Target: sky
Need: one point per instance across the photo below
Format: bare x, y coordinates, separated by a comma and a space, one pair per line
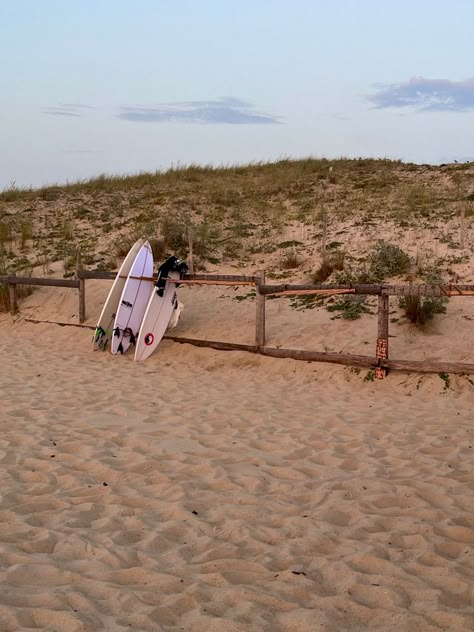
120, 86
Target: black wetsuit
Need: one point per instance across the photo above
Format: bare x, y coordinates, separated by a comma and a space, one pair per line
172, 264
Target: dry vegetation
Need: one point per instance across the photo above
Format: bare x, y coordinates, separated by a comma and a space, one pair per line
310, 219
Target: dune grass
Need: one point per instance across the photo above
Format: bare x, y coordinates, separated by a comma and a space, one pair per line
232, 214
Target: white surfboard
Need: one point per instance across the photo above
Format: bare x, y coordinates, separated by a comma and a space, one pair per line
175, 316
157, 317
133, 301
103, 330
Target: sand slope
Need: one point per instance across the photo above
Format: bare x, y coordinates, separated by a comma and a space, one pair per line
205, 491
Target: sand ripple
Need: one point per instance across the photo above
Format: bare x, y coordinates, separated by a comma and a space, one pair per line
166, 497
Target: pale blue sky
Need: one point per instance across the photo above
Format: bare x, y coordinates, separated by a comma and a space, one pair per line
119, 86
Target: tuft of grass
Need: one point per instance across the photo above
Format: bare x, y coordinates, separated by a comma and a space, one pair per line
158, 248
328, 266
323, 272
26, 233
174, 232
67, 229
446, 379
418, 199
370, 376
421, 309
22, 290
290, 260
5, 233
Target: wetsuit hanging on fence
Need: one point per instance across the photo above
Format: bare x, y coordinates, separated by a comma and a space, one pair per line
172, 264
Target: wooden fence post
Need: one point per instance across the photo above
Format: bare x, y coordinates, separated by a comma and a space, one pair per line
260, 316
82, 289
381, 351
13, 296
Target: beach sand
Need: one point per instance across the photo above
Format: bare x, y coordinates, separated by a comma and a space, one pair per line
220, 491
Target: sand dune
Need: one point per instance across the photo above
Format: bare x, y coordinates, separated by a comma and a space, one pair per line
211, 491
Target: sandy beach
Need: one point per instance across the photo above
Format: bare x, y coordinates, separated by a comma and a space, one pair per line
287, 190
205, 490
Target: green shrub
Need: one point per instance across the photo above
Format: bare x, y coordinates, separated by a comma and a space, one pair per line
388, 260
176, 230
446, 379
351, 307
420, 309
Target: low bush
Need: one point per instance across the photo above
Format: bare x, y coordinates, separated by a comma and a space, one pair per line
350, 307
290, 260
421, 309
387, 261
328, 266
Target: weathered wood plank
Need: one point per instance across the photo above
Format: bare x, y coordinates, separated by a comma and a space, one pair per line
314, 292
309, 288
13, 298
97, 274
186, 281
58, 322
82, 289
295, 354
321, 356
428, 366
381, 350
374, 289
188, 278
213, 344
260, 310
18, 280
430, 290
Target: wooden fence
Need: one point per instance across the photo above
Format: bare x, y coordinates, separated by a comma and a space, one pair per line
379, 362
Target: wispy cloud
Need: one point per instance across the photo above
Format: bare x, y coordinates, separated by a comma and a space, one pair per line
426, 95
66, 109
225, 110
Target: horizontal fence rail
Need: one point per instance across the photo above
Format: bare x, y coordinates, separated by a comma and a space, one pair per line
371, 289
379, 362
187, 278
18, 280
